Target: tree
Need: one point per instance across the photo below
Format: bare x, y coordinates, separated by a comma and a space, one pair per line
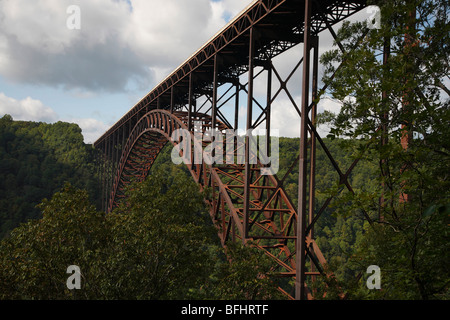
151, 247
35, 257
402, 101
158, 244
245, 274
161, 238
36, 159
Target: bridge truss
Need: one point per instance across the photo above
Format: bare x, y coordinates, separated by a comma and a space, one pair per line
208, 89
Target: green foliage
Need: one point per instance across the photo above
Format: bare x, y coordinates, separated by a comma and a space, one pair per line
142, 253
160, 245
34, 258
341, 225
36, 159
246, 275
150, 247
124, 237
405, 95
413, 261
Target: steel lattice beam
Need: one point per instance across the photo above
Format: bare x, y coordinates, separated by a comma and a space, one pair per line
245, 205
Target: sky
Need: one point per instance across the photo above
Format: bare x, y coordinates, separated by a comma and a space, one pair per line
91, 68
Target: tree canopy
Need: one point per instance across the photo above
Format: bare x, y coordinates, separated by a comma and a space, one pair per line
36, 159
393, 83
150, 247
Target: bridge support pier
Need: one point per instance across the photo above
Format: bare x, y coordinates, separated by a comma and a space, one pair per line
247, 172
301, 221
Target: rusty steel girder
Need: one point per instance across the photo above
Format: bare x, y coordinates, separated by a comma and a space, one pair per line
244, 204
271, 220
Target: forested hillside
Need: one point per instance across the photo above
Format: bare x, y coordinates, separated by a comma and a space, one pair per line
35, 161
126, 254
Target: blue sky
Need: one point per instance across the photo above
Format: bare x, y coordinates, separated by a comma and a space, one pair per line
95, 74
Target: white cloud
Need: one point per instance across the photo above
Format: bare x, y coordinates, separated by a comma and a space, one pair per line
328, 104
38, 48
91, 128
285, 118
26, 109
120, 43
165, 32
30, 109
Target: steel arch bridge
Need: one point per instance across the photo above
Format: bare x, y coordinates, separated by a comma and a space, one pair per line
204, 93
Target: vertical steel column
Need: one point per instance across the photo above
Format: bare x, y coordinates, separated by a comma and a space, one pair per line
107, 171
97, 163
111, 166
190, 103
247, 171
214, 93
122, 149
236, 104
171, 99
98, 156
116, 154
301, 220
236, 117
312, 172
103, 174
113, 160
269, 105
213, 126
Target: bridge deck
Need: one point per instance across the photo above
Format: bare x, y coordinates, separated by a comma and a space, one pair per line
279, 25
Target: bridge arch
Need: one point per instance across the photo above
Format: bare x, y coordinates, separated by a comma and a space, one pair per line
244, 204
271, 223
145, 142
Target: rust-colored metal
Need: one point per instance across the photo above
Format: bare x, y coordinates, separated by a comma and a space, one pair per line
245, 205
300, 288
